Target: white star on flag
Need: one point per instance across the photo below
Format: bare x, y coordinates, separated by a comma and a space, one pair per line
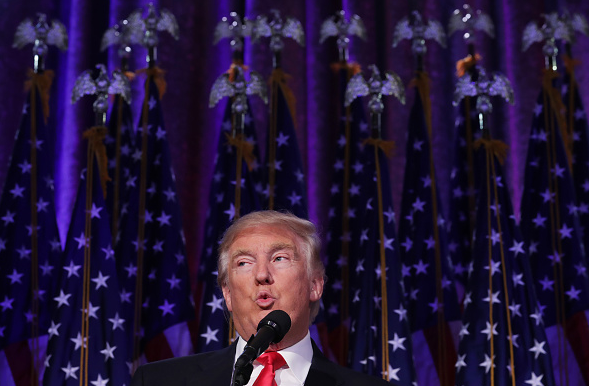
216, 304
117, 322
99, 381
167, 308
62, 299
108, 352
397, 342
100, 280
210, 335
70, 371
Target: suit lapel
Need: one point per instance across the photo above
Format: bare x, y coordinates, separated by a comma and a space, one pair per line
216, 369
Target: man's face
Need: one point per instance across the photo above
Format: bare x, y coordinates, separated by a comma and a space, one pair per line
267, 272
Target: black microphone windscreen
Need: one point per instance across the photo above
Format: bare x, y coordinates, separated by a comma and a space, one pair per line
279, 321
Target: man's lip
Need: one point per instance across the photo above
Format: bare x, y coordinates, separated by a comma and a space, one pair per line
265, 303
265, 299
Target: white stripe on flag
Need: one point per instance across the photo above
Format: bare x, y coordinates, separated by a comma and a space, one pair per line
179, 339
42, 353
572, 367
455, 327
427, 374
5, 373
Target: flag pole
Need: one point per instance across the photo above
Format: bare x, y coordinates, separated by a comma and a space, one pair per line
471, 21
40, 83
483, 87
551, 113
276, 29
154, 74
123, 34
232, 84
495, 149
376, 87
343, 28
421, 82
101, 86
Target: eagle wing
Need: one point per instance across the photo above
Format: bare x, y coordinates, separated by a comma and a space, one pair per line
357, 86
84, 86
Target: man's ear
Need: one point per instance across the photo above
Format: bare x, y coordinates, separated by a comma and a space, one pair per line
316, 289
227, 296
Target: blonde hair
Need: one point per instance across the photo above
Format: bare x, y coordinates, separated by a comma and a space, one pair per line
310, 247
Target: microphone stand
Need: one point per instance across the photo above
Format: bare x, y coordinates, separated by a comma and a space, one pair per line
241, 375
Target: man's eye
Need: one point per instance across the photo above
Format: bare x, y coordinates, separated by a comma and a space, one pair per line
280, 258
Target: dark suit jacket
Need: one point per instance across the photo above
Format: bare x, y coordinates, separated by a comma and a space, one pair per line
215, 368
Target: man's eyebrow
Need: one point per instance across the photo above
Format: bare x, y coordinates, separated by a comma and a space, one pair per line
273, 249
241, 252
280, 246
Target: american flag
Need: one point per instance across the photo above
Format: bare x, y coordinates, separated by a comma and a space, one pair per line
88, 332
502, 338
550, 226
120, 144
24, 322
426, 268
344, 211
380, 335
214, 330
154, 253
463, 191
287, 179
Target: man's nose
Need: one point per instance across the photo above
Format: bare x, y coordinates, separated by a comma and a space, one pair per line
264, 272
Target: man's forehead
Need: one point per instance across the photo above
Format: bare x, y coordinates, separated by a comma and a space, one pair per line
278, 237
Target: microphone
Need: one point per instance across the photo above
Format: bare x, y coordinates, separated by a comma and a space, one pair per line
271, 329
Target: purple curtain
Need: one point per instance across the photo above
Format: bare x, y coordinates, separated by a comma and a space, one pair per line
193, 63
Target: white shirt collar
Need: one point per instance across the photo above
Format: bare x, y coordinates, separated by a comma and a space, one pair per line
298, 356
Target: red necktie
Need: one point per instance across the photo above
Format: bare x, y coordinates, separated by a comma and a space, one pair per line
272, 361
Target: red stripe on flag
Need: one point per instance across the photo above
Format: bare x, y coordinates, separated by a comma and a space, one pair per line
20, 358
449, 353
193, 326
336, 344
577, 332
158, 348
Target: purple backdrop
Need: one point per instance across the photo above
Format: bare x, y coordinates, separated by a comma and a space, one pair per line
193, 63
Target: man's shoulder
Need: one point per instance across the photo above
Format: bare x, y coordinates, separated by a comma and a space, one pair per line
325, 372
174, 370
351, 377
181, 362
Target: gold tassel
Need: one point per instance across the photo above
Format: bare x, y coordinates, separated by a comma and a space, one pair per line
388, 147
494, 146
463, 65
280, 77
422, 83
353, 68
247, 149
231, 71
570, 63
158, 77
43, 82
95, 136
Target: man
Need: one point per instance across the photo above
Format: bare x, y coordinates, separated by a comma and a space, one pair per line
267, 261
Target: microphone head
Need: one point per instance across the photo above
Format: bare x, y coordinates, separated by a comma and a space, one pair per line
279, 321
